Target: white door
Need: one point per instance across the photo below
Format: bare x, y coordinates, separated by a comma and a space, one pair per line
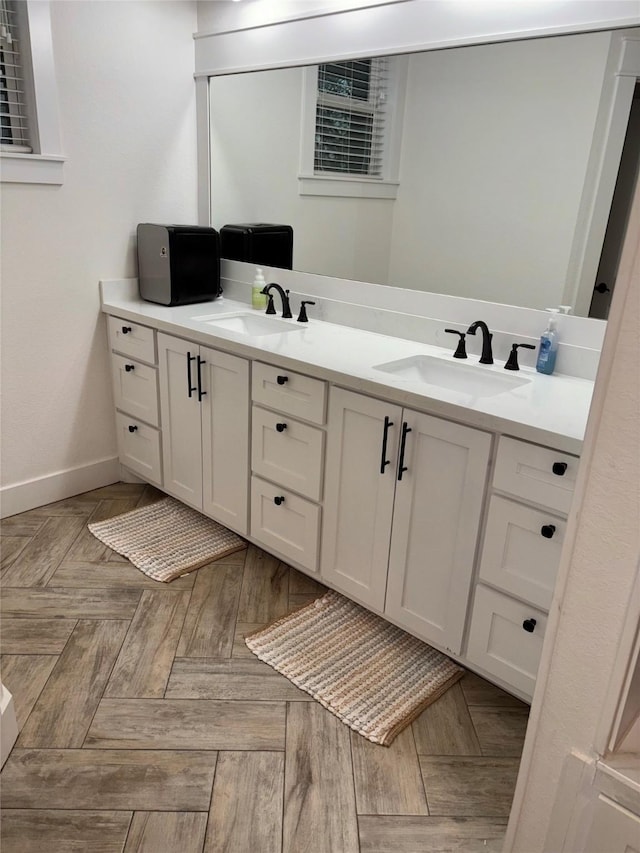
180, 418
225, 437
435, 526
362, 446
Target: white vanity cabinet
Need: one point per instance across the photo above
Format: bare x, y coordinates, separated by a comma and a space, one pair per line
134, 378
204, 404
403, 503
532, 490
287, 462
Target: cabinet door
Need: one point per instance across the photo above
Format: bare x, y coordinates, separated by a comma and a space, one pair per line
436, 518
521, 550
135, 388
506, 637
180, 419
360, 483
225, 437
613, 828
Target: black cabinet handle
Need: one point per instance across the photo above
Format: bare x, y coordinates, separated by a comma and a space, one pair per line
132, 428
401, 466
126, 330
190, 388
529, 625
547, 530
385, 434
279, 499
559, 468
282, 379
281, 427
129, 367
201, 393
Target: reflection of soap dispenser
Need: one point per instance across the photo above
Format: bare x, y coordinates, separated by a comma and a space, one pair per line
258, 299
548, 345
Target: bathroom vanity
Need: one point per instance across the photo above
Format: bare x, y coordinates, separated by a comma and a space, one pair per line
434, 492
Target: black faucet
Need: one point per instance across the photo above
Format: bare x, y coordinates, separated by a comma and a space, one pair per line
284, 296
487, 354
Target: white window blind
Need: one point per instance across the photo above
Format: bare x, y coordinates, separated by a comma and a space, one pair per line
13, 112
351, 117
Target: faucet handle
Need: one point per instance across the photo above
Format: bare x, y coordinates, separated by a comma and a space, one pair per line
286, 306
271, 308
512, 361
461, 351
302, 316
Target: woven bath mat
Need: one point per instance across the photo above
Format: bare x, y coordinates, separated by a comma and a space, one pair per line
375, 677
167, 539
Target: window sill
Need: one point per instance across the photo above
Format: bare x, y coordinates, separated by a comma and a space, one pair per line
346, 187
31, 169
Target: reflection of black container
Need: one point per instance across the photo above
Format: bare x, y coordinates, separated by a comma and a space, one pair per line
258, 243
178, 264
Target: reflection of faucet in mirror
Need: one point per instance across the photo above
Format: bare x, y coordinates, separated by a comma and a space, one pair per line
489, 199
284, 296
487, 354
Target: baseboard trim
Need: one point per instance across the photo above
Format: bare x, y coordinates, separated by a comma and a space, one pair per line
30, 494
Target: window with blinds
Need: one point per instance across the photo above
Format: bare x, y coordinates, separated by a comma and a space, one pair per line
13, 112
350, 117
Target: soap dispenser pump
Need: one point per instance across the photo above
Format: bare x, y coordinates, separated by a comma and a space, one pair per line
548, 351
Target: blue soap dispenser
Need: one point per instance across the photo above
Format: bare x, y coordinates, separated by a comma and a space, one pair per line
548, 351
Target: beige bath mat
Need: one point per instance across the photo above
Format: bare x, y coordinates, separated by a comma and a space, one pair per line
167, 539
375, 677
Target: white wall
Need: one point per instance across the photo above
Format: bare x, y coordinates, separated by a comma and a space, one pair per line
220, 15
492, 170
126, 91
255, 157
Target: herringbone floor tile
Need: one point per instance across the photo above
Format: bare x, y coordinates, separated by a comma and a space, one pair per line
147, 725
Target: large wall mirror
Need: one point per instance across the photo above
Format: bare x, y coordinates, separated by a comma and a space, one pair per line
488, 149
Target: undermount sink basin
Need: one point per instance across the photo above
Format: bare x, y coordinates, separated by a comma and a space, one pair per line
454, 376
249, 324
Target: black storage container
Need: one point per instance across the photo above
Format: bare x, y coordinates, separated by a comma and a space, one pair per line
178, 264
258, 243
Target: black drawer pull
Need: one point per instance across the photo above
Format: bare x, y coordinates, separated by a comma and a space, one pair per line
385, 434
129, 367
132, 428
547, 530
281, 427
401, 466
126, 330
190, 388
201, 393
282, 379
279, 499
529, 625
559, 468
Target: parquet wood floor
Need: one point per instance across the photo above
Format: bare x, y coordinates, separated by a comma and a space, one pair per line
146, 724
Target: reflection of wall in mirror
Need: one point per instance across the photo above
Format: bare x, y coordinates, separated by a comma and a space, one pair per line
495, 145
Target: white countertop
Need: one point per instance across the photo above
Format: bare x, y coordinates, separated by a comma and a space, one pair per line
549, 410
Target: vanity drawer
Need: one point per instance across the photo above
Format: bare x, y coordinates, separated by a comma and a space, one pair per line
289, 392
287, 452
139, 448
521, 550
290, 526
536, 474
499, 641
132, 339
135, 388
